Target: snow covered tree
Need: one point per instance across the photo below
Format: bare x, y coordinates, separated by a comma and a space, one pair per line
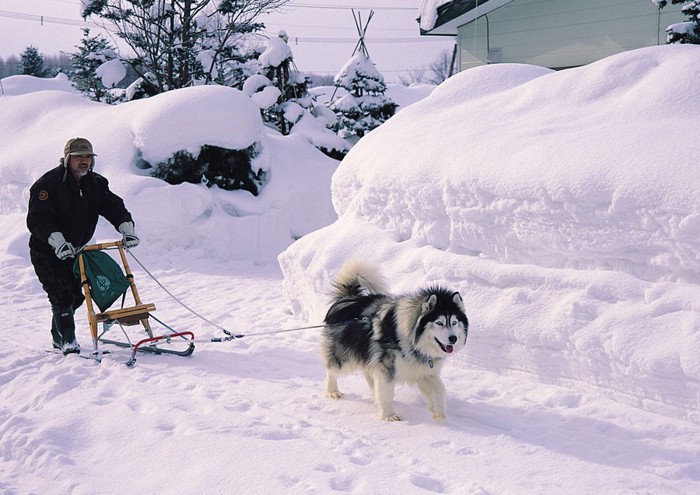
179, 43
282, 94
92, 53
277, 65
684, 32
32, 63
365, 106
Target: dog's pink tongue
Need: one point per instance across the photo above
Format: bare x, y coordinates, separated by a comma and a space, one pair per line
449, 349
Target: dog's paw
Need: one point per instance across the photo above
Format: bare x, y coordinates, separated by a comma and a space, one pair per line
393, 417
334, 395
439, 416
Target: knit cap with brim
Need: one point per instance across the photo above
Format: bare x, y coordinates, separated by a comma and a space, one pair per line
77, 146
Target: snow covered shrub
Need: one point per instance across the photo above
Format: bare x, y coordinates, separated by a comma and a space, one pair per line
282, 94
364, 107
277, 66
214, 166
92, 72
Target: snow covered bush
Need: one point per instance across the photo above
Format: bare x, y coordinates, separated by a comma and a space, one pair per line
97, 68
230, 156
282, 94
365, 106
214, 166
276, 64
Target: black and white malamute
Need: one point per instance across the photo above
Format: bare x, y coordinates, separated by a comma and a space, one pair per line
391, 338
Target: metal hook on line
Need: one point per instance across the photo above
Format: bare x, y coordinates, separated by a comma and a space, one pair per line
230, 336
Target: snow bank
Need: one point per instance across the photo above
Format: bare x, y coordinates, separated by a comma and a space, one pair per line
170, 219
563, 206
169, 122
22, 84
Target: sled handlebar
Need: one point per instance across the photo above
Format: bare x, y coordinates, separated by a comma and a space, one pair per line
102, 245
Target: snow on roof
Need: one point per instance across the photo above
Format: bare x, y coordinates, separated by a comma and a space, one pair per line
427, 13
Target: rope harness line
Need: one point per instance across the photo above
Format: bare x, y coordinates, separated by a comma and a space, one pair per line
232, 336
229, 335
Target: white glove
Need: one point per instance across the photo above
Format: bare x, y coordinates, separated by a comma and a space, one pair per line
61, 247
130, 239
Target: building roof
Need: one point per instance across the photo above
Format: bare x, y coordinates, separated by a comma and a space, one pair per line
459, 12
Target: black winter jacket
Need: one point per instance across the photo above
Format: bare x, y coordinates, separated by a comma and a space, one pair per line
59, 203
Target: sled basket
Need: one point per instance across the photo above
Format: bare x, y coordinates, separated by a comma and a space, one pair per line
104, 276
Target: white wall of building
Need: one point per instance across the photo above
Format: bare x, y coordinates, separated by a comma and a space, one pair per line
563, 33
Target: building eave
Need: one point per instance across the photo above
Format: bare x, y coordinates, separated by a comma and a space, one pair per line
460, 12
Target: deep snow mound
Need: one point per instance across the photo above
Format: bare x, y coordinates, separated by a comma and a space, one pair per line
229, 115
23, 84
583, 168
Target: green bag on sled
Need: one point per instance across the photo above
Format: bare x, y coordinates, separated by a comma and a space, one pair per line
106, 279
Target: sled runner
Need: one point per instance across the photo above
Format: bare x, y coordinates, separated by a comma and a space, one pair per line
103, 283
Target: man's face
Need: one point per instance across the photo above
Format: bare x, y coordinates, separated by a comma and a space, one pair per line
79, 165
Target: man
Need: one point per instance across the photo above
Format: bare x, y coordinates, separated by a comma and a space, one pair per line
64, 206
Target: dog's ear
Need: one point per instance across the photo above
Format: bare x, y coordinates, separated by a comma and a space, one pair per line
430, 303
457, 299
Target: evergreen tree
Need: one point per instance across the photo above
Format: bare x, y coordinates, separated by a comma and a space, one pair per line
183, 43
93, 51
277, 65
282, 94
32, 63
684, 32
365, 106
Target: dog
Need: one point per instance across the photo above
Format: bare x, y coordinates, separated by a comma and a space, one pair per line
392, 339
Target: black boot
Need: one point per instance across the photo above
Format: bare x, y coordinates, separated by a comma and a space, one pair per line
64, 325
56, 335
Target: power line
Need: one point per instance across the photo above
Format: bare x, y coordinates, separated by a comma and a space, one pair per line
308, 5
295, 39
316, 6
346, 7
42, 19
299, 39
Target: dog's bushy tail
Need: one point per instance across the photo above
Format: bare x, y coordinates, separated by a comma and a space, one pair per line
358, 277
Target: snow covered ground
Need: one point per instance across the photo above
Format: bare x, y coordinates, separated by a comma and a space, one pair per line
563, 206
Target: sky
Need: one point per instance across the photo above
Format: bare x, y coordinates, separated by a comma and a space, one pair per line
561, 205
322, 34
